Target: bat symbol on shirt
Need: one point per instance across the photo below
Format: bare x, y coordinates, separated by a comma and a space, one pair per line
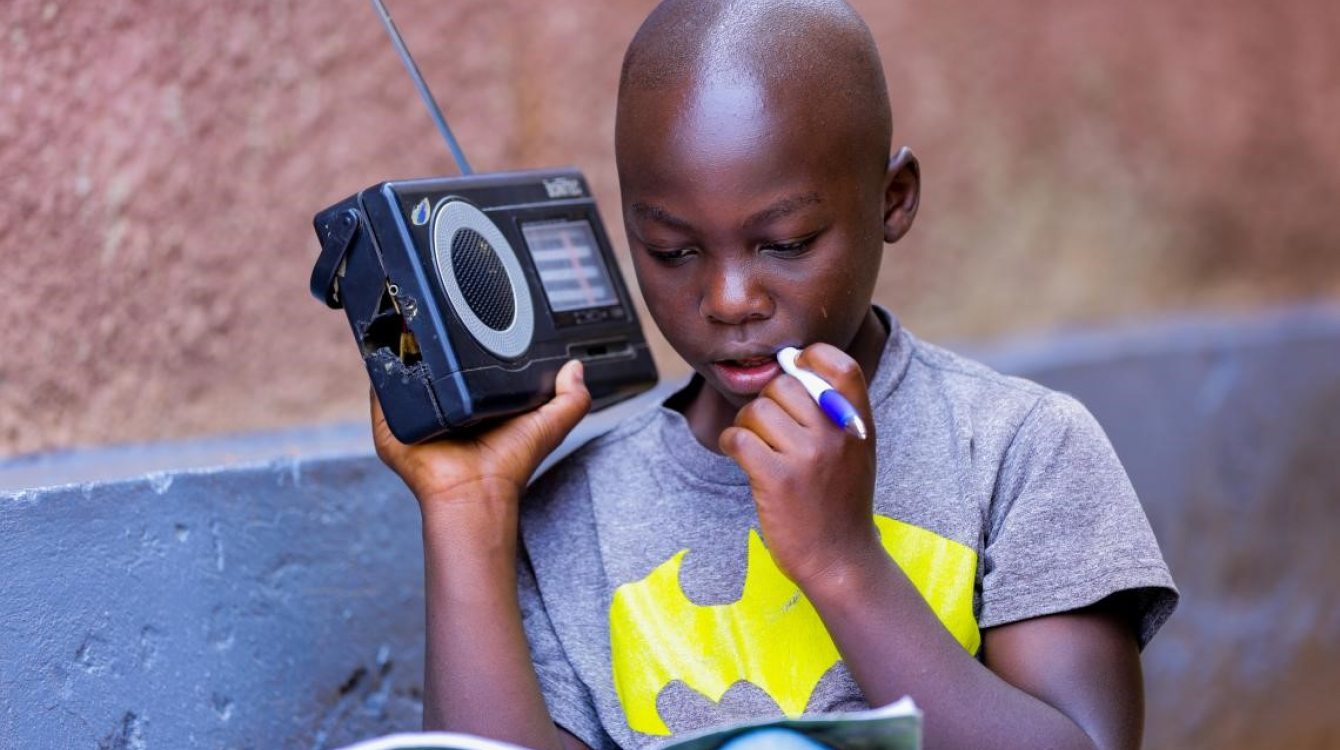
772, 636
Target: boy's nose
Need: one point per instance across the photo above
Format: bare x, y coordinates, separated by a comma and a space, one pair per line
733, 295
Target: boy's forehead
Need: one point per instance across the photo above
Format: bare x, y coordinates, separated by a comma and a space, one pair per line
726, 155
722, 122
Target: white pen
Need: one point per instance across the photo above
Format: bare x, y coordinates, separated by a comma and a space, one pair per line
838, 408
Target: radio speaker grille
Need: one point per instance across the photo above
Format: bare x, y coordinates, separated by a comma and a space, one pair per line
483, 279
482, 276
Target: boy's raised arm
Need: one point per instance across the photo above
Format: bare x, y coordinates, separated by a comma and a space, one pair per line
1069, 680
478, 675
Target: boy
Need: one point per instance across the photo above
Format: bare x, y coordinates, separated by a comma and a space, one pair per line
732, 554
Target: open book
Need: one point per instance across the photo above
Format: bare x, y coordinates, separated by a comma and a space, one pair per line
896, 726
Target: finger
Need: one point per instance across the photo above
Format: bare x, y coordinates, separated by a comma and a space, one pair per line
746, 448
555, 419
770, 422
382, 438
789, 394
571, 377
841, 371
571, 399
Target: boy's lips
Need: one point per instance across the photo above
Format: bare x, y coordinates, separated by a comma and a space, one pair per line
747, 375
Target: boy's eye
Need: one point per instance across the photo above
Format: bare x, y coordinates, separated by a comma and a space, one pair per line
670, 256
787, 249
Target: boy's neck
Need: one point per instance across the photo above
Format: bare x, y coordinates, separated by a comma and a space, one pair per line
709, 413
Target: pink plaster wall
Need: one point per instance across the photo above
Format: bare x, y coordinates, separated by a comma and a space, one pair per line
1084, 161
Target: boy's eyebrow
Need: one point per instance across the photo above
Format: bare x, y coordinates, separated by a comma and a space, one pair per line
781, 208
660, 216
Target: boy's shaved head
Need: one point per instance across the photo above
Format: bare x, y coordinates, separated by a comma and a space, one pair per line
817, 53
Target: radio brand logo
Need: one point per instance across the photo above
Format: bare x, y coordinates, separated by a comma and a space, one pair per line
420, 214
563, 187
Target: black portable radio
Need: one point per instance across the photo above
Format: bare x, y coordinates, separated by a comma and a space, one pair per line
467, 294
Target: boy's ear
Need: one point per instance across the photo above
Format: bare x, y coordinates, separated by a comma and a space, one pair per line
902, 194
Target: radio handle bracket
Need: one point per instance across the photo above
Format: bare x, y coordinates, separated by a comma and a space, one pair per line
337, 236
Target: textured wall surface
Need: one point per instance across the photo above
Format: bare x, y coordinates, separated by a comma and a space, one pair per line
280, 605
1083, 160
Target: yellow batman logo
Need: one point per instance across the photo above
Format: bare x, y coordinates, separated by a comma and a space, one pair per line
772, 637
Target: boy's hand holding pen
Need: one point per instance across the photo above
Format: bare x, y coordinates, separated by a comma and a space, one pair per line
810, 469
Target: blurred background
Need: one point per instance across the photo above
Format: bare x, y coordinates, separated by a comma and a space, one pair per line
1087, 165
1084, 163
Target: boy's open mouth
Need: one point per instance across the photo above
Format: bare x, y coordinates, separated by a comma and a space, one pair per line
747, 363
747, 375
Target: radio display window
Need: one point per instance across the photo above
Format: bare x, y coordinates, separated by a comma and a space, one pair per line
569, 263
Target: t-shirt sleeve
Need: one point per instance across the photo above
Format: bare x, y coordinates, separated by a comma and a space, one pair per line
569, 701
1065, 529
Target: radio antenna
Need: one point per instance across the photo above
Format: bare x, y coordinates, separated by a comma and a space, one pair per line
422, 86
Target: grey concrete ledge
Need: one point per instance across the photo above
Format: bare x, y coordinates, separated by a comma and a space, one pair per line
1181, 336
164, 460
276, 605
289, 450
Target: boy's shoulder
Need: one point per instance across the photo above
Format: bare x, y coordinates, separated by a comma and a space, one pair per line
960, 376
931, 382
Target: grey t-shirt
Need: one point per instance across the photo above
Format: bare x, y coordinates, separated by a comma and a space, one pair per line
652, 607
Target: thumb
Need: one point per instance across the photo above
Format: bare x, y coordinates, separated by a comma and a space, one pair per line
571, 402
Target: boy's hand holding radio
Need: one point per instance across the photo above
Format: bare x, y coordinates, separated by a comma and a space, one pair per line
813, 483
493, 464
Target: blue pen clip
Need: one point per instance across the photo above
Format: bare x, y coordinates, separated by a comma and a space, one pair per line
837, 407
